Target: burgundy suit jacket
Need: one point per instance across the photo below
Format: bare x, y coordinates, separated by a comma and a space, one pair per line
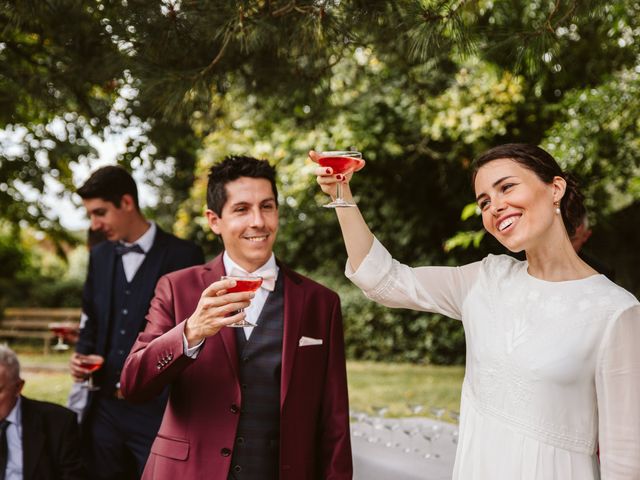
198, 429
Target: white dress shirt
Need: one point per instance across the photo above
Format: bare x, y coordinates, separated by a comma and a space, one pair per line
14, 442
257, 302
131, 261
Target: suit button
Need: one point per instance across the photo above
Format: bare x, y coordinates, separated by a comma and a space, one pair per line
225, 452
237, 469
234, 408
245, 359
125, 311
240, 440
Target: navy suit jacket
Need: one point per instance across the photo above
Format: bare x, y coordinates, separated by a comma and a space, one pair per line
50, 442
167, 254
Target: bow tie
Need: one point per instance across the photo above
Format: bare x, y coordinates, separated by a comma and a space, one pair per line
268, 277
122, 249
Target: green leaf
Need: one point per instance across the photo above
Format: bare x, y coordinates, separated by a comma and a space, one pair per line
464, 240
469, 211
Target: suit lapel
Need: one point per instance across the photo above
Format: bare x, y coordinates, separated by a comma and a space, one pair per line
104, 285
212, 272
293, 303
150, 270
32, 439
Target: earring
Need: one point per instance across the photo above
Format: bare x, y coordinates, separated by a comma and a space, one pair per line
557, 204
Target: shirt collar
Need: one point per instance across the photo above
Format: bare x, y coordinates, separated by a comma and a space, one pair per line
15, 415
147, 238
229, 265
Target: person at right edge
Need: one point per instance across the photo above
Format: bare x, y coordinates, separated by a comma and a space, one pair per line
553, 366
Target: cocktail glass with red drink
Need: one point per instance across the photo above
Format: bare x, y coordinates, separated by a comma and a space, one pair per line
341, 162
62, 330
92, 363
243, 284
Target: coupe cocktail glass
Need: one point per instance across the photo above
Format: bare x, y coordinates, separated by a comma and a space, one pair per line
243, 284
341, 162
61, 330
92, 363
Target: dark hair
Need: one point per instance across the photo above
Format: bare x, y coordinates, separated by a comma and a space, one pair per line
546, 168
232, 168
110, 184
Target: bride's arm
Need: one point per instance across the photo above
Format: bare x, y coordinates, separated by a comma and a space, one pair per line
355, 231
383, 279
432, 289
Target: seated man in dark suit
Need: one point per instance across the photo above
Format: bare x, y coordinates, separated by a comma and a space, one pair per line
38, 440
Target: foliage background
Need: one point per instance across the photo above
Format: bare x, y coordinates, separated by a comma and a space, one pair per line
420, 86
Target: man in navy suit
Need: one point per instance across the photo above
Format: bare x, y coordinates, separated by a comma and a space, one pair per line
122, 276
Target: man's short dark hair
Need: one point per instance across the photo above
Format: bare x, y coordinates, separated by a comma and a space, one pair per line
110, 184
232, 168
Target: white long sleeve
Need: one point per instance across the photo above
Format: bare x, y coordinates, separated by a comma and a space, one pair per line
432, 289
618, 391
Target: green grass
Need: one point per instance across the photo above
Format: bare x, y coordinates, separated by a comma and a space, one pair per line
52, 387
46, 376
393, 385
58, 361
396, 385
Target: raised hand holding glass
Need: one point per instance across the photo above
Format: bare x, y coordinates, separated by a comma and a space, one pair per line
342, 162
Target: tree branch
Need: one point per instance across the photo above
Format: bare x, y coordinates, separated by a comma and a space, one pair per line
225, 44
570, 12
291, 6
284, 10
430, 15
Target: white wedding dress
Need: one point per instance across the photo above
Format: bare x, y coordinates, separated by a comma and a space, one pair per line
552, 370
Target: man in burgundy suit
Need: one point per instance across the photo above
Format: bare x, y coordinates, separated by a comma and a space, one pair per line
259, 403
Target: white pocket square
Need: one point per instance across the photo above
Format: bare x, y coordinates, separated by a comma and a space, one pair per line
306, 341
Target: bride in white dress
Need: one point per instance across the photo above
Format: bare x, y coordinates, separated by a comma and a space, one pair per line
553, 361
